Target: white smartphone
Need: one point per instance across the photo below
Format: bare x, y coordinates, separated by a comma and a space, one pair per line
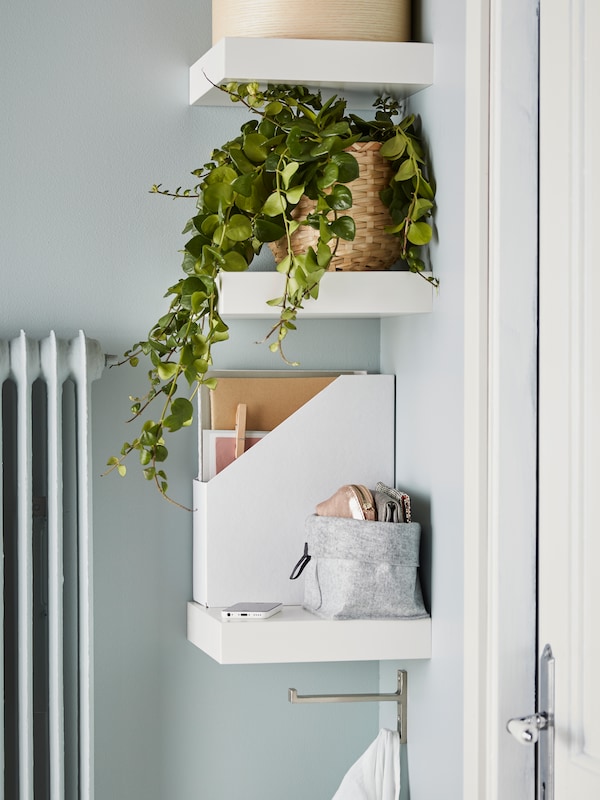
251, 610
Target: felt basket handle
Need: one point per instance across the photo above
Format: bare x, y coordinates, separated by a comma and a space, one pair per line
301, 565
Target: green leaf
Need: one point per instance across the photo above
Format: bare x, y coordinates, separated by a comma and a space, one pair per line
288, 173
254, 147
394, 147
274, 205
295, 144
200, 366
195, 245
173, 423
340, 198
312, 266
166, 371
425, 189
325, 233
222, 174
219, 238
323, 255
199, 344
392, 229
244, 165
209, 224
322, 148
407, 170
235, 262
243, 185
269, 230
198, 300
160, 453
219, 335
329, 177
284, 265
253, 202
272, 163
419, 233
347, 166
338, 129
182, 413
212, 257
293, 195
238, 228
274, 108
344, 227
183, 408
421, 208
218, 196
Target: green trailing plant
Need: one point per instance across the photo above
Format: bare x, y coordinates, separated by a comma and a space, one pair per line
295, 145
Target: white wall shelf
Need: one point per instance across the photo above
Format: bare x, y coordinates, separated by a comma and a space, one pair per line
360, 71
341, 294
296, 635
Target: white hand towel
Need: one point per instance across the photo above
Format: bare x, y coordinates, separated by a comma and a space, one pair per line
376, 774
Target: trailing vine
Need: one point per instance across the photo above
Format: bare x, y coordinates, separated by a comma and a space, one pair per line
294, 145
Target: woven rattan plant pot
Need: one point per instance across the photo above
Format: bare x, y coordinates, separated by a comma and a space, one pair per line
357, 20
372, 248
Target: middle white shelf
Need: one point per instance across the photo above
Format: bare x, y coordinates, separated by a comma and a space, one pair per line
341, 295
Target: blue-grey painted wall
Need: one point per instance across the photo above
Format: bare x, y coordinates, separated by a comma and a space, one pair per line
94, 100
426, 354
94, 111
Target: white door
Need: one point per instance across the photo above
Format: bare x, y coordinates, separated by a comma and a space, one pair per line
569, 405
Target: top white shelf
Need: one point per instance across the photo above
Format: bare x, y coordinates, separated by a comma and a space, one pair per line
360, 71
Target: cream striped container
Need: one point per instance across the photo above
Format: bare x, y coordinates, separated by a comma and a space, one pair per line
351, 20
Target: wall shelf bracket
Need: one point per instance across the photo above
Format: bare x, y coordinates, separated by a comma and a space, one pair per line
399, 696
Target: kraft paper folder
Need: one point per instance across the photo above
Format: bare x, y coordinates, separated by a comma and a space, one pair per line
270, 397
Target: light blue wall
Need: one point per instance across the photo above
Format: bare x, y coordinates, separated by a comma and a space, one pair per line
94, 100
94, 110
426, 354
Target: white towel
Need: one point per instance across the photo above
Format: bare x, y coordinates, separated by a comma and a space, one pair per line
376, 774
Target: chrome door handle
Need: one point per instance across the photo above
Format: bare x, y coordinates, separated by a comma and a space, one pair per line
540, 727
526, 730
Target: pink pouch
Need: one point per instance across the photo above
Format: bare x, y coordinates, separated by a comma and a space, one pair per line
352, 501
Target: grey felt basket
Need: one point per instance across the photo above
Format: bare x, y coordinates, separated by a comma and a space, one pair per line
362, 570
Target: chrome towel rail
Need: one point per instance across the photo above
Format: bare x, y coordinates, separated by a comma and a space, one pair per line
399, 696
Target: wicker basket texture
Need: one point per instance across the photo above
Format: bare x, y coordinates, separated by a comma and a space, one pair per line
351, 20
372, 248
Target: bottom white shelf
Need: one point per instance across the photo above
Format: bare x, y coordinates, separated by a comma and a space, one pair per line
296, 635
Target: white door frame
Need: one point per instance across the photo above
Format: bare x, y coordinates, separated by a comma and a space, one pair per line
500, 394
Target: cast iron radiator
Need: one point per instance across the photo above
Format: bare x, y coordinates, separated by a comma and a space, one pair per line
46, 673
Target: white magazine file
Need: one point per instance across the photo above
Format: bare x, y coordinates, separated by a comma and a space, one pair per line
249, 519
